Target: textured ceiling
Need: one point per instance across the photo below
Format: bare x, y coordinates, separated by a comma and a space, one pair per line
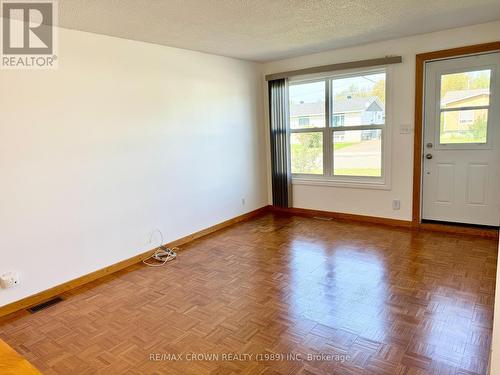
263, 30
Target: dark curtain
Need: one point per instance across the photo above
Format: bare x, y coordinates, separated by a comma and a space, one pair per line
280, 157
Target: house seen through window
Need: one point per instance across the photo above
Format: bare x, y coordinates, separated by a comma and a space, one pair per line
348, 142
464, 107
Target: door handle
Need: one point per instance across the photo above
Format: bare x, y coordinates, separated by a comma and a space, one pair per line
428, 156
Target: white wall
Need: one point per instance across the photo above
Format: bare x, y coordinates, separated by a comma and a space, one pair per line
123, 138
379, 202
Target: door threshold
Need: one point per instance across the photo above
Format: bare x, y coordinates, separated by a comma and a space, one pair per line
460, 228
465, 225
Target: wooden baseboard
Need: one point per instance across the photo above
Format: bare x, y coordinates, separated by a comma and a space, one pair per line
454, 229
342, 216
72, 284
216, 227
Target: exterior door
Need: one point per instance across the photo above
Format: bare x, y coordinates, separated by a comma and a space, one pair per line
461, 148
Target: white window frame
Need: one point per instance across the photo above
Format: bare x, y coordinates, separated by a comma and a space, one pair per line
327, 178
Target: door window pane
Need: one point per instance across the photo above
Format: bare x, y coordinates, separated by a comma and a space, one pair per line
463, 126
360, 100
307, 105
466, 89
357, 153
307, 152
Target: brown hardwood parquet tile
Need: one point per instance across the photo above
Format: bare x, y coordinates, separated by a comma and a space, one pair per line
377, 300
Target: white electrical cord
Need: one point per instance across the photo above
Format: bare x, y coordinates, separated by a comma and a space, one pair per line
162, 254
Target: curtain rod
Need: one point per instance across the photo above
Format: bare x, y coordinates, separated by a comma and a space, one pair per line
340, 66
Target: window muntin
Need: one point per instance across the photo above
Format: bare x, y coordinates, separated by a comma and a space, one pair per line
463, 107
350, 143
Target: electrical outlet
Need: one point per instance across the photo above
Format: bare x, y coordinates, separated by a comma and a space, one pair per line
243, 201
396, 204
9, 279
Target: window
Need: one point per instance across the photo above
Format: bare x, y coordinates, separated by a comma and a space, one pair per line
466, 117
338, 119
463, 107
304, 122
344, 139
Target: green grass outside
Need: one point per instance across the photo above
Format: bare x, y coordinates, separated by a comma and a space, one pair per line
306, 161
447, 138
370, 172
340, 145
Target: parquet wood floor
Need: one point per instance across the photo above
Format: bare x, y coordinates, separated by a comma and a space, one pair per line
11, 363
379, 300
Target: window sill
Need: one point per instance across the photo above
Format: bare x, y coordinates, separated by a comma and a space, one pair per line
359, 184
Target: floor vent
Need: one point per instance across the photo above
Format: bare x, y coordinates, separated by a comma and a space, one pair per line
44, 305
323, 218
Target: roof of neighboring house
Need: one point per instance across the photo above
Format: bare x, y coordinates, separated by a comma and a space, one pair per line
457, 95
371, 104
339, 106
